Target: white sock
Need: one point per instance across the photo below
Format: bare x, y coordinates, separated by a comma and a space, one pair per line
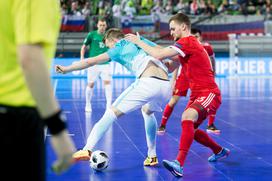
150, 133
100, 129
88, 95
108, 92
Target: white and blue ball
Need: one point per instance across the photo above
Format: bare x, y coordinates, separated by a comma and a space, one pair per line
99, 160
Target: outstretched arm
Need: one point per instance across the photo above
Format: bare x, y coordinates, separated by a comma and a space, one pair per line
79, 65
156, 52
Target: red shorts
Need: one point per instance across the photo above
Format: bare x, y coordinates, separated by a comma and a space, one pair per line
205, 104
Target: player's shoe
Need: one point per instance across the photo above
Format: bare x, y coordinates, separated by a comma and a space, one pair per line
212, 129
82, 155
161, 130
151, 161
219, 156
88, 108
174, 167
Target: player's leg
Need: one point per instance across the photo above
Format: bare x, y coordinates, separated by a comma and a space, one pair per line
125, 103
106, 76
98, 131
92, 76
150, 132
208, 106
211, 128
167, 112
189, 116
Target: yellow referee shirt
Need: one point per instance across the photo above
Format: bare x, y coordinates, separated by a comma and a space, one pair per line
24, 22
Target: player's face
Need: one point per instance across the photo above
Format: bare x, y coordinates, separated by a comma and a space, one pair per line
175, 30
101, 26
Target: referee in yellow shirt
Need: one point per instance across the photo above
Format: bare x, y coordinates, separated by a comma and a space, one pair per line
28, 34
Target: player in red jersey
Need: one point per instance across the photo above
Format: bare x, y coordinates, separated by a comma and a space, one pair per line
205, 96
181, 88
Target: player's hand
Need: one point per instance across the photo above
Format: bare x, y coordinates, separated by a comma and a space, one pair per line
133, 38
60, 69
64, 149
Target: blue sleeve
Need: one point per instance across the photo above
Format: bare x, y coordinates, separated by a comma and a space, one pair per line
148, 42
114, 53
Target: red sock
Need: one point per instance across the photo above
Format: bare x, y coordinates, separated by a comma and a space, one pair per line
211, 120
186, 140
203, 138
166, 114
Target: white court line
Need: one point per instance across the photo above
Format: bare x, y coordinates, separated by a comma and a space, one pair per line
246, 152
133, 144
239, 148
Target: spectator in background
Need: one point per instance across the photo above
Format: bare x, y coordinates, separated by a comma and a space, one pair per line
74, 9
156, 12
223, 6
194, 7
117, 13
202, 7
64, 9
146, 6
180, 7
86, 11
130, 9
210, 8
169, 9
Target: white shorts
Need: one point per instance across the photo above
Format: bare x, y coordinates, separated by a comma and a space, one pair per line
148, 91
103, 71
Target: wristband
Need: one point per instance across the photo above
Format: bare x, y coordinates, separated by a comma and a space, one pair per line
56, 123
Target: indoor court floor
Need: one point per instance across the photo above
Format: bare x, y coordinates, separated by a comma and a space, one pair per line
244, 119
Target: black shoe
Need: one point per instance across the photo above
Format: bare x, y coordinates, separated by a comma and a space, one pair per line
212, 129
161, 129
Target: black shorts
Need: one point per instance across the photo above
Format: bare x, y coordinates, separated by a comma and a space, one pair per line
22, 150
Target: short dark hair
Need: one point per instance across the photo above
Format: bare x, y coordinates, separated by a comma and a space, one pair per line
181, 18
113, 33
195, 31
101, 18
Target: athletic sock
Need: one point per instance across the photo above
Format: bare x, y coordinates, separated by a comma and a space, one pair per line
88, 95
100, 129
166, 114
108, 93
203, 138
150, 133
186, 140
211, 120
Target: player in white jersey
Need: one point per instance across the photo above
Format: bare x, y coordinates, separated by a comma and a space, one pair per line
149, 92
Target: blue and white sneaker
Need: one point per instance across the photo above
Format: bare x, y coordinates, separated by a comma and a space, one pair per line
222, 154
174, 167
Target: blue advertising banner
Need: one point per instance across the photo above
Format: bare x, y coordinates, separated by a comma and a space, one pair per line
251, 66
244, 66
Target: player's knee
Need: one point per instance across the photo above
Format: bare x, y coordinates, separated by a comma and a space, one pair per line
107, 82
91, 84
146, 110
116, 111
190, 114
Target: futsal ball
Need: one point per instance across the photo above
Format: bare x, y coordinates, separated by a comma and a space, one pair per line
99, 160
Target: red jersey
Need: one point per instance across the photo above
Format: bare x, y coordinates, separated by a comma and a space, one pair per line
198, 69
